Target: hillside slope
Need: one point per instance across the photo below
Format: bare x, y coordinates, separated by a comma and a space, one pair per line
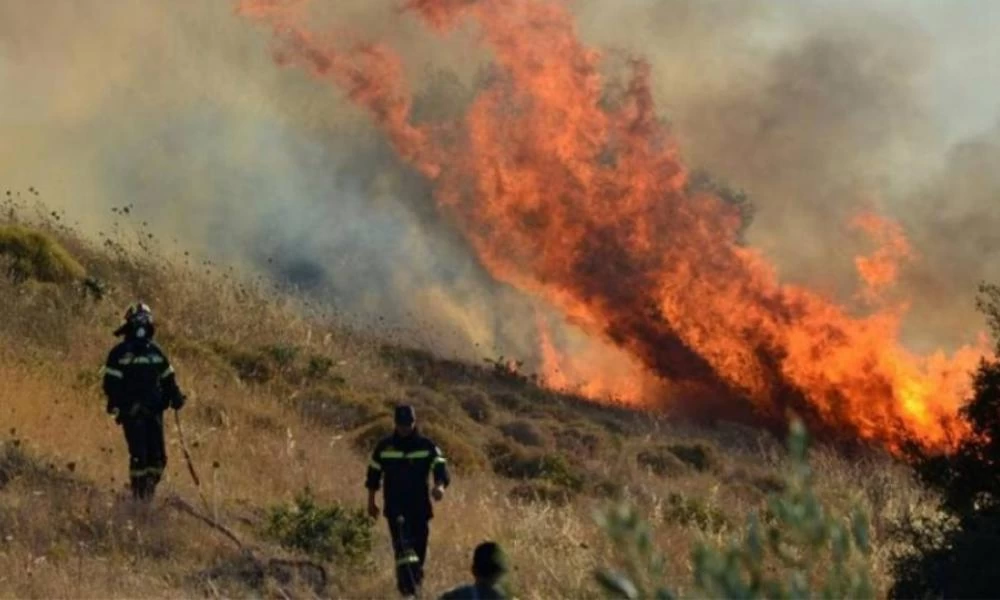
283, 398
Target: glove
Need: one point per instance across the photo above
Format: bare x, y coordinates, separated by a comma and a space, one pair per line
113, 410
179, 402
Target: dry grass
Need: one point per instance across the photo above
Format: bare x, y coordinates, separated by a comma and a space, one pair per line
280, 397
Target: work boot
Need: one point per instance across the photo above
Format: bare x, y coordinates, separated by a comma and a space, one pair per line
151, 488
142, 488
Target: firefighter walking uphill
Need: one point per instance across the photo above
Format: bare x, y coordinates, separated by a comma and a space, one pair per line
140, 385
401, 464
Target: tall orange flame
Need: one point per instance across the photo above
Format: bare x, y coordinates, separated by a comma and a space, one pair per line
582, 200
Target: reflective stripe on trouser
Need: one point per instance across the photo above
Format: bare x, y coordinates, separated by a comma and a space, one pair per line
146, 471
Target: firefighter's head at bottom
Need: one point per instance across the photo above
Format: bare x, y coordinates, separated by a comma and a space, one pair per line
489, 562
405, 420
138, 323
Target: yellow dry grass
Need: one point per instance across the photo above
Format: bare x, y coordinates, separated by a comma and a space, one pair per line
66, 529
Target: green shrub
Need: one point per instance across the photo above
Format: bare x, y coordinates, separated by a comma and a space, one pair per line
515, 463
523, 432
318, 367
252, 367
36, 255
701, 456
680, 510
804, 552
263, 364
475, 403
557, 469
323, 532
282, 355
579, 440
662, 461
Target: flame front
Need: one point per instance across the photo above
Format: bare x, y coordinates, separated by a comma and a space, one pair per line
581, 199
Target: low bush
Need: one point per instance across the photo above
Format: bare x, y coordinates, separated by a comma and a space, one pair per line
524, 433
699, 455
36, 255
516, 463
680, 510
662, 461
323, 532
475, 403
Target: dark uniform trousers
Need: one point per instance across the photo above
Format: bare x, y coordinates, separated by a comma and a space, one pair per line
409, 545
147, 452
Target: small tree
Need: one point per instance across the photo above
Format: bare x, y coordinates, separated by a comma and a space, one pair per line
798, 549
323, 532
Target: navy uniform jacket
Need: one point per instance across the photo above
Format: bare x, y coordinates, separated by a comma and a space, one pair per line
402, 465
138, 379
